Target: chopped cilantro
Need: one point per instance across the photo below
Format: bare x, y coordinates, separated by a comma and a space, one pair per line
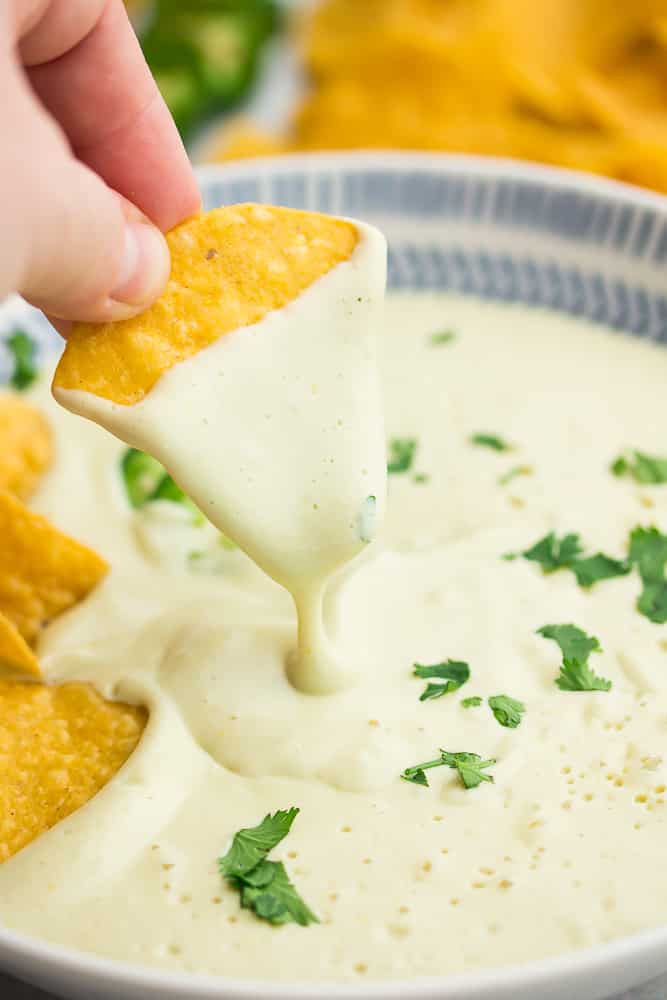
599, 567
514, 472
492, 441
264, 886
648, 551
420, 477
268, 891
23, 350
576, 647
401, 455
470, 766
554, 553
507, 711
441, 337
146, 480
643, 468
474, 701
454, 674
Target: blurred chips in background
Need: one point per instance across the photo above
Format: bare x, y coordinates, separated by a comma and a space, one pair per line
581, 83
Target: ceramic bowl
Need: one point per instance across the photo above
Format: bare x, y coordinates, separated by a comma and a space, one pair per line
480, 227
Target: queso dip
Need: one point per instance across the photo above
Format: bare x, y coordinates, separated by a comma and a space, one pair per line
502, 423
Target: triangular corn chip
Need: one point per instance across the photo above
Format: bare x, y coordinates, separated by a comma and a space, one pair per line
230, 268
16, 656
42, 571
58, 747
26, 445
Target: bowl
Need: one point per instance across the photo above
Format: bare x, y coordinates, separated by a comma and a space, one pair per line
487, 228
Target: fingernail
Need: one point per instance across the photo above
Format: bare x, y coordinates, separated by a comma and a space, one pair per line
145, 267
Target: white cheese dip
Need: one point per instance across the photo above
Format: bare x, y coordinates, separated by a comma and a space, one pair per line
286, 408
406, 880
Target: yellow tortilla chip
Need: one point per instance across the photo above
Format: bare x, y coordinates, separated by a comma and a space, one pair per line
42, 571
16, 656
230, 267
26, 445
58, 747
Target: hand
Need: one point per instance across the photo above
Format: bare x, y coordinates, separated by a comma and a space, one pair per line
91, 164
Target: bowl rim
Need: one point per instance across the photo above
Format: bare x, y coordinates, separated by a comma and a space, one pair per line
20, 949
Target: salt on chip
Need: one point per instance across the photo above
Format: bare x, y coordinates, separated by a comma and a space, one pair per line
42, 571
230, 267
26, 445
16, 657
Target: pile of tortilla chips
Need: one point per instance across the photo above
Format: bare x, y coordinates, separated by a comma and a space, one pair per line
58, 745
580, 83
230, 267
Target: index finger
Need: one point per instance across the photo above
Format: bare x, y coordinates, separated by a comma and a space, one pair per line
103, 95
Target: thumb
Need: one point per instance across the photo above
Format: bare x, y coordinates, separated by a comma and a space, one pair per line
87, 253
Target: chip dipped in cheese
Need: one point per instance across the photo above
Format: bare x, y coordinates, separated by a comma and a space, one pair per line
253, 380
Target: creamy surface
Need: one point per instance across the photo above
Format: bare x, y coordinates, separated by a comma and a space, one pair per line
406, 880
276, 432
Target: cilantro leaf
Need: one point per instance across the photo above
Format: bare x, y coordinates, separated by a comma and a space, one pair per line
599, 567
554, 553
268, 891
23, 350
474, 701
514, 472
441, 337
507, 711
470, 766
401, 455
643, 468
251, 845
576, 647
264, 886
492, 441
454, 673
648, 551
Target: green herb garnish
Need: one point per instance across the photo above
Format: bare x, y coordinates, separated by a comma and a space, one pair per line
492, 441
420, 477
441, 337
401, 455
470, 766
554, 553
23, 350
643, 468
146, 480
648, 551
474, 701
576, 647
264, 886
453, 673
507, 711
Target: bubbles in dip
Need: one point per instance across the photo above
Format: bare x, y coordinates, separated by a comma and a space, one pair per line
276, 432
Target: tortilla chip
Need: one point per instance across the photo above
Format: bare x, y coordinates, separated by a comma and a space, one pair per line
42, 572
26, 445
16, 656
58, 747
230, 267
